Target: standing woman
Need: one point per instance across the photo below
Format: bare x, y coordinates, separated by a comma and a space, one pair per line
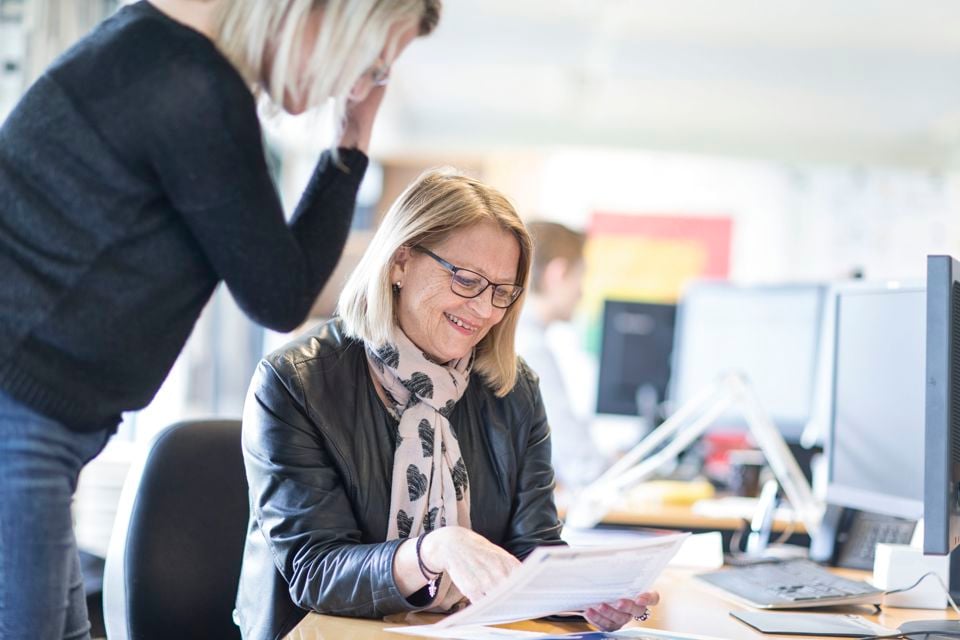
132, 181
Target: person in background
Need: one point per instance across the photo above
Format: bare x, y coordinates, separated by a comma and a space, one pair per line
398, 456
133, 181
556, 285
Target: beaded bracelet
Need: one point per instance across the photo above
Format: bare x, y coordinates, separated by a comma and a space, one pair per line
432, 577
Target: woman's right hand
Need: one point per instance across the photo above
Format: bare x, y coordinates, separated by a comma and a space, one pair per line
474, 564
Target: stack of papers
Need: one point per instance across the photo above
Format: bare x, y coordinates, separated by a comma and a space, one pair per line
558, 579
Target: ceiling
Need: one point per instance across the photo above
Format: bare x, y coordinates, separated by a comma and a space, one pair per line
852, 81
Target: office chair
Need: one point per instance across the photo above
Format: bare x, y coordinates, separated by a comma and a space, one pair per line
173, 564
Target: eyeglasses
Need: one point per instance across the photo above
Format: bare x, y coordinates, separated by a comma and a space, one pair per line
470, 284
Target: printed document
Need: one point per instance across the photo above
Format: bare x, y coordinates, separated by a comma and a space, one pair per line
556, 579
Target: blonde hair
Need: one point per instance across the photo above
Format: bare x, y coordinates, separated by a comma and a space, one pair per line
352, 34
436, 205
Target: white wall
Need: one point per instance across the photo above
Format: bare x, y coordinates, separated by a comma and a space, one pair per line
790, 222
11, 65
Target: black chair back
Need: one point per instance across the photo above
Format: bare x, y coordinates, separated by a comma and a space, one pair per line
174, 560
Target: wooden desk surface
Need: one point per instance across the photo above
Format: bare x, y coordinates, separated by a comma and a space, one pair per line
687, 606
683, 517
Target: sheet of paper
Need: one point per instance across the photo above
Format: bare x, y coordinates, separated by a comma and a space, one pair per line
496, 633
466, 633
554, 579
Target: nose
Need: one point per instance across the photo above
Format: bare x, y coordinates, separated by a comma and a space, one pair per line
482, 305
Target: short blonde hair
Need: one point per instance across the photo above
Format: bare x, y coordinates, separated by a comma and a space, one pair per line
436, 205
352, 35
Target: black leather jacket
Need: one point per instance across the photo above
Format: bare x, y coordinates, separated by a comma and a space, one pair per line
318, 446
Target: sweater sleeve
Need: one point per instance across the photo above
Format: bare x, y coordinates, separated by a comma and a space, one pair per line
205, 145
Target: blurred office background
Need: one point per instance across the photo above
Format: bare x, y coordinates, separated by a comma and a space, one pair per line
762, 142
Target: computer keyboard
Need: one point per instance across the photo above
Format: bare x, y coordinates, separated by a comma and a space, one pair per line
858, 543
791, 584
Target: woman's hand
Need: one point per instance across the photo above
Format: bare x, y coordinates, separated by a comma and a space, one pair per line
359, 120
473, 563
613, 615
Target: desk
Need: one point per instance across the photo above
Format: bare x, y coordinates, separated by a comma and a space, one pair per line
687, 606
669, 516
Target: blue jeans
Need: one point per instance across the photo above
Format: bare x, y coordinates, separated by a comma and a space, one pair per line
41, 590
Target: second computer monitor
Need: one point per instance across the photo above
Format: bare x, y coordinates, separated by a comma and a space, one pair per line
634, 356
770, 334
876, 445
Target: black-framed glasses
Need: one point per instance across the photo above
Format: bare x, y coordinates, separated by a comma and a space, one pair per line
470, 284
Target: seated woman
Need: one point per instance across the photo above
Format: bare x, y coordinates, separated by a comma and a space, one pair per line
399, 456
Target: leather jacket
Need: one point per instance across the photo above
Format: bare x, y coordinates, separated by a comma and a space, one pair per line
318, 445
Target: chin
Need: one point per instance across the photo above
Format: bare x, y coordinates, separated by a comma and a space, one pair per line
454, 353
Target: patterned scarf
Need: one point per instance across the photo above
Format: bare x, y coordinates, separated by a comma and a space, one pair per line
430, 486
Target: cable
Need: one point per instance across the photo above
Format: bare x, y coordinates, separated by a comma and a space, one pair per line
786, 533
924, 635
913, 636
946, 589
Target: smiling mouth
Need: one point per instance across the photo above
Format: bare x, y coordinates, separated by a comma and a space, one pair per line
461, 324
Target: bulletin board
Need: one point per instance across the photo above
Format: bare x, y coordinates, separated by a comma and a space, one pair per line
649, 258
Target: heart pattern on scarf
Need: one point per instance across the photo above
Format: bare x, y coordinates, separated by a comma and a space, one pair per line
419, 384
417, 483
447, 409
429, 479
460, 478
404, 524
389, 354
426, 438
430, 523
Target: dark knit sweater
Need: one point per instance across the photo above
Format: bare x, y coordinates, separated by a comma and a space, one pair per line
133, 180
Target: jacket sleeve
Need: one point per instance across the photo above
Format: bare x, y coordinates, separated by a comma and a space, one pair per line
534, 521
298, 499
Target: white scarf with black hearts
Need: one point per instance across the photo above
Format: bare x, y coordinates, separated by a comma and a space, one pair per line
430, 485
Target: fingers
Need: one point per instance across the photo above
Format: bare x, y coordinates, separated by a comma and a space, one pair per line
606, 617
629, 607
613, 615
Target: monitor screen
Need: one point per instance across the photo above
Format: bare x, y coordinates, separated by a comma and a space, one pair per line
875, 450
941, 509
770, 334
634, 356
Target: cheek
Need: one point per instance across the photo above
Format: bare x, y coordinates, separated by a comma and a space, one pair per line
428, 305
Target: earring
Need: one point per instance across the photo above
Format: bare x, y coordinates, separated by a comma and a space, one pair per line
396, 287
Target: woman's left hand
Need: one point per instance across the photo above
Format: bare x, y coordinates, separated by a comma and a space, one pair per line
611, 616
359, 119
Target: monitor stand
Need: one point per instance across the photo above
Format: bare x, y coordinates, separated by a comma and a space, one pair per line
662, 446
937, 629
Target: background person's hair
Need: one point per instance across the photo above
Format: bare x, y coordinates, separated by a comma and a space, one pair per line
352, 34
551, 241
436, 205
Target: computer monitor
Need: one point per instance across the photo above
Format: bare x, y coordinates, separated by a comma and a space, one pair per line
768, 333
634, 356
875, 451
941, 459
941, 504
